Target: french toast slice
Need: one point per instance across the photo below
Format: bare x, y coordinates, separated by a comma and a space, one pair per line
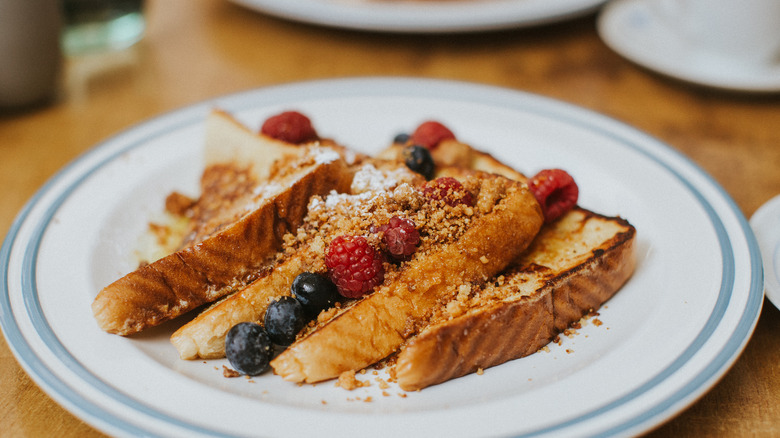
204, 336
240, 165
374, 327
574, 265
236, 231
229, 141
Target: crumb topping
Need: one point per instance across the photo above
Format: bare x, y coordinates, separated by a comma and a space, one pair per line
377, 195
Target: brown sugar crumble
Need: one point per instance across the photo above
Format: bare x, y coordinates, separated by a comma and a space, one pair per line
348, 381
376, 196
229, 373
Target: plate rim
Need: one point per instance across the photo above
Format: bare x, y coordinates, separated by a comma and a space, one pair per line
43, 374
422, 17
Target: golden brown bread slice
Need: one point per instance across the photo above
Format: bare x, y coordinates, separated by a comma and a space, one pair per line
573, 266
377, 325
240, 165
204, 336
229, 141
238, 245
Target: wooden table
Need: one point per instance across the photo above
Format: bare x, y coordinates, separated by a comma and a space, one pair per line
198, 49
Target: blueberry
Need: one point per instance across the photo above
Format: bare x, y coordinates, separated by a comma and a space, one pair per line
315, 293
418, 159
283, 320
401, 138
248, 348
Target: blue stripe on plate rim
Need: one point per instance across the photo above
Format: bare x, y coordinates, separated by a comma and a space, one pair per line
516, 100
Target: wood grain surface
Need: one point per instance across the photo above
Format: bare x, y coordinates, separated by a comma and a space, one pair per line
199, 49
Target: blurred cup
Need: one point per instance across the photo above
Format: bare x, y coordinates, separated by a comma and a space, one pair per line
30, 55
101, 25
742, 30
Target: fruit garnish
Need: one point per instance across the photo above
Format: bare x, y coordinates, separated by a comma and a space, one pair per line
556, 191
400, 237
401, 138
354, 265
315, 293
418, 159
248, 348
449, 190
289, 126
429, 134
283, 320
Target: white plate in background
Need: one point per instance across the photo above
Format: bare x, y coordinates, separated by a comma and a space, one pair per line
766, 226
667, 336
434, 16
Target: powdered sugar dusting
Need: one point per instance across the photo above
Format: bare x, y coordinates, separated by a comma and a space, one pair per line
367, 184
371, 179
264, 191
325, 155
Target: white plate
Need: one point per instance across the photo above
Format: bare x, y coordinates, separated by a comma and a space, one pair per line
434, 16
766, 225
667, 336
632, 29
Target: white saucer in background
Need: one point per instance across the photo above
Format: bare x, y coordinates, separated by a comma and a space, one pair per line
632, 29
766, 226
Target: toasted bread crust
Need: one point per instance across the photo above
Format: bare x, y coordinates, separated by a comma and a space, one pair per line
546, 301
204, 336
227, 140
377, 325
219, 264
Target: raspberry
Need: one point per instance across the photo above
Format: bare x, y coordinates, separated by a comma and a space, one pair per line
354, 266
400, 237
429, 134
449, 190
556, 192
289, 126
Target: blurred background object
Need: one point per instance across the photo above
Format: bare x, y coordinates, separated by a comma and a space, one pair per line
30, 54
99, 25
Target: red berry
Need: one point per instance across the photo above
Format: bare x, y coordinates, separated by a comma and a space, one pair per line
429, 134
289, 126
556, 192
449, 190
354, 266
400, 237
